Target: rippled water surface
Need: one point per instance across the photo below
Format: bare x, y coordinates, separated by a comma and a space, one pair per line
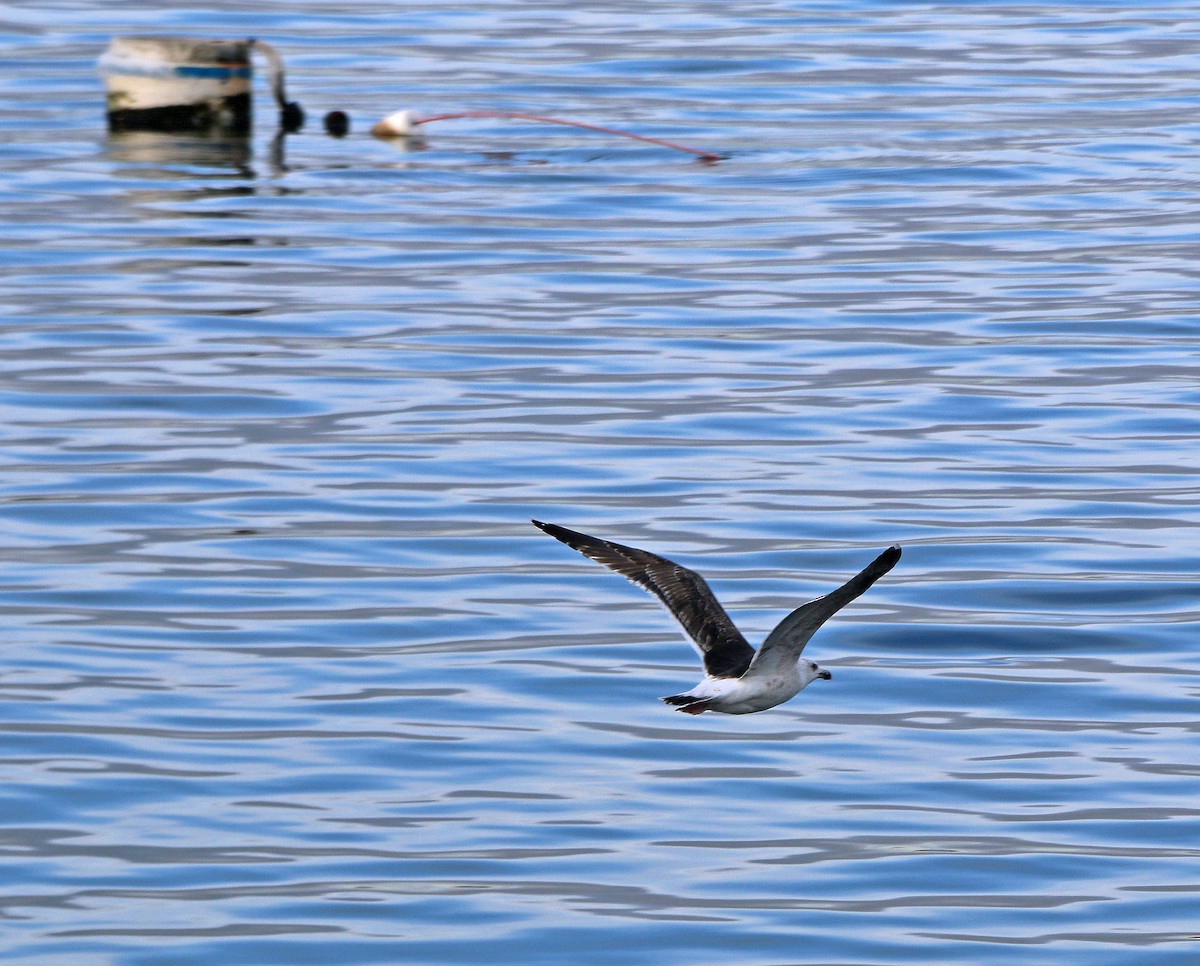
289, 678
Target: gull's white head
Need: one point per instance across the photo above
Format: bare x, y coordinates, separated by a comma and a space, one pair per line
810, 672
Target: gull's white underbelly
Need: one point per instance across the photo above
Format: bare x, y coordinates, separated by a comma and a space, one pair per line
742, 696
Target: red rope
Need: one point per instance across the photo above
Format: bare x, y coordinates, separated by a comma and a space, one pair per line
518, 116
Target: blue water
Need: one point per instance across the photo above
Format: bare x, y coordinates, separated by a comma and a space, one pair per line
289, 678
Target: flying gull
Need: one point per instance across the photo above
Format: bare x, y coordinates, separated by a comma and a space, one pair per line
738, 680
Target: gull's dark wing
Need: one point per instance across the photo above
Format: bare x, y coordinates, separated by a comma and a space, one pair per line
683, 592
784, 644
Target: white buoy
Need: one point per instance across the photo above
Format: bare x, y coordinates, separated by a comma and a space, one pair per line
402, 124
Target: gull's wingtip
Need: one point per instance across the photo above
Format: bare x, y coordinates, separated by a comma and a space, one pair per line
889, 557
559, 533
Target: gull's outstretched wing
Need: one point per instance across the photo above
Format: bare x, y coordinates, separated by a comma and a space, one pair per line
725, 652
784, 644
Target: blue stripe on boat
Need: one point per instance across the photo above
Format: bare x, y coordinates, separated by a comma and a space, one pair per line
212, 71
